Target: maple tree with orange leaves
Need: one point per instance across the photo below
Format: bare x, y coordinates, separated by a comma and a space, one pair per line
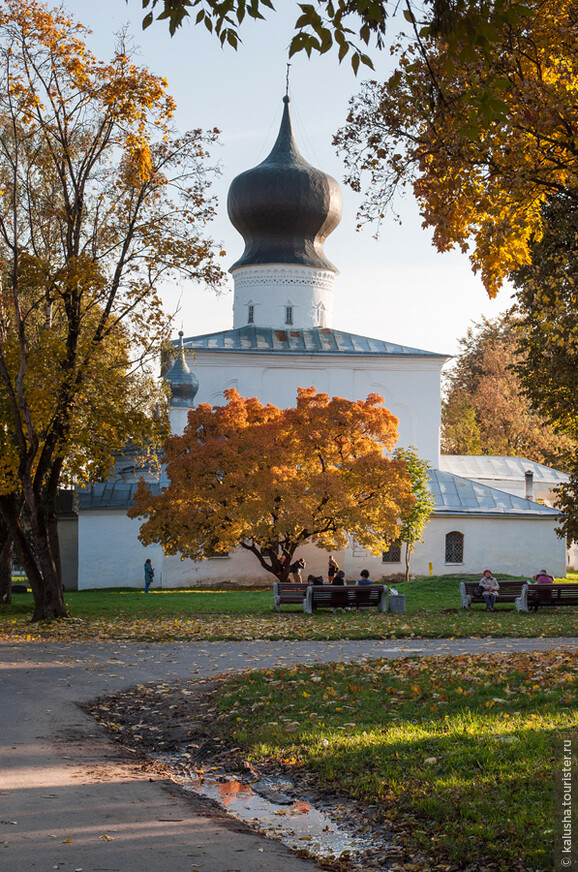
268, 480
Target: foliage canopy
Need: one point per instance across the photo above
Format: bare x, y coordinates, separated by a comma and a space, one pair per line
486, 409
484, 136
100, 202
268, 480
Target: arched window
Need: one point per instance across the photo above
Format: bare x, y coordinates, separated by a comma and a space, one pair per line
455, 547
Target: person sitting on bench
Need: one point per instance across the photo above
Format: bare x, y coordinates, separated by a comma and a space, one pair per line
490, 588
363, 578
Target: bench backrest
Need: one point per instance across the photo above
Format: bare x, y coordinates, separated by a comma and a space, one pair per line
509, 587
287, 587
335, 593
564, 592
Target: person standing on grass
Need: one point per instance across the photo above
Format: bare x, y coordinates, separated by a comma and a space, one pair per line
332, 569
295, 570
490, 588
149, 574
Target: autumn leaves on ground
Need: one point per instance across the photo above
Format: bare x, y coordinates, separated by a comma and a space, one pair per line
456, 753
454, 756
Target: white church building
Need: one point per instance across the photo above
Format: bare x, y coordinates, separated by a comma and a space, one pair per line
283, 338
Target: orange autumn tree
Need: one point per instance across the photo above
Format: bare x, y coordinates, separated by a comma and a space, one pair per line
268, 480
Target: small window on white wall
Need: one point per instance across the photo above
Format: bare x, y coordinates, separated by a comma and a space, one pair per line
455, 547
321, 316
289, 315
393, 553
250, 314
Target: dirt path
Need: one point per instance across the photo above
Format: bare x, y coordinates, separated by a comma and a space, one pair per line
72, 799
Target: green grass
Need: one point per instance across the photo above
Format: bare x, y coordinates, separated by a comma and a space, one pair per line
433, 611
456, 752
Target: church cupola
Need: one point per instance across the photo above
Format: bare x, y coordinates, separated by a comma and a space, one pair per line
285, 209
183, 385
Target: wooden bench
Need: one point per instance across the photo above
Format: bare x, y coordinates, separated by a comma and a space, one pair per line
552, 595
334, 596
286, 593
514, 591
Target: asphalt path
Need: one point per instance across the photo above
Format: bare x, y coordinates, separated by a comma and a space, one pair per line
72, 799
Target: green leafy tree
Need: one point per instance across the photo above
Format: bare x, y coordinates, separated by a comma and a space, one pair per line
414, 520
547, 306
348, 26
100, 202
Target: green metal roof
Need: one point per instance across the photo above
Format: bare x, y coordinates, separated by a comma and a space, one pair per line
314, 340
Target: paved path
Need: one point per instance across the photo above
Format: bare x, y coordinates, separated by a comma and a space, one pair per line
71, 799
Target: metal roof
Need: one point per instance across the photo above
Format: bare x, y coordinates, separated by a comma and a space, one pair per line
453, 495
498, 467
313, 340
456, 495
110, 494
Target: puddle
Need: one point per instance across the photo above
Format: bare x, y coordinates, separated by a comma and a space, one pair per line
268, 806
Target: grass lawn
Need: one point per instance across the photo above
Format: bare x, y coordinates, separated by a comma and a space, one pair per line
457, 753
433, 610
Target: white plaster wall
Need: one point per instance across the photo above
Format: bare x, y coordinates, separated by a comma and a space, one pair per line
410, 387
572, 558
178, 419
110, 555
513, 546
240, 567
270, 288
109, 552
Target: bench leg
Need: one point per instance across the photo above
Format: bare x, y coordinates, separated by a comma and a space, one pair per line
521, 601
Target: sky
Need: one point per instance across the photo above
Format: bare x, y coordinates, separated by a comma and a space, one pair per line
396, 288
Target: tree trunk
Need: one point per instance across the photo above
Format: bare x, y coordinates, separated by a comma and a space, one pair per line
6, 555
36, 549
407, 559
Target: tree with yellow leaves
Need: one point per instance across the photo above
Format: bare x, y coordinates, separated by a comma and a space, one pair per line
484, 135
268, 480
100, 203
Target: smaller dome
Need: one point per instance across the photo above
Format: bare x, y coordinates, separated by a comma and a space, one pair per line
183, 383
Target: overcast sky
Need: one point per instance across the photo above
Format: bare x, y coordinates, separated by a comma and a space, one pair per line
396, 288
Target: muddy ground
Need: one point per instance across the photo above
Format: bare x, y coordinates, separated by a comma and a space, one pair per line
178, 720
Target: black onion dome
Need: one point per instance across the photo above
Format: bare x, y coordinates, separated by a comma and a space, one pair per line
183, 383
284, 208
